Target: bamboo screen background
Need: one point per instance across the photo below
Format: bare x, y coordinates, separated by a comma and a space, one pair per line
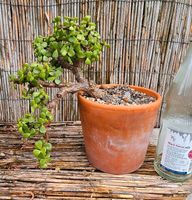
148, 40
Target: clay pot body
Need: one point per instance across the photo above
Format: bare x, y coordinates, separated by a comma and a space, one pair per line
116, 137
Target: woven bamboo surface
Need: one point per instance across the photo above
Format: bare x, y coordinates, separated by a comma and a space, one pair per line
148, 39
70, 176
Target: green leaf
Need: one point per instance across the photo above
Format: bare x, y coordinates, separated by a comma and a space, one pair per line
52, 78
37, 100
33, 132
43, 115
87, 61
87, 18
39, 58
45, 58
95, 52
88, 54
71, 52
20, 130
38, 39
43, 151
43, 51
36, 71
43, 163
57, 19
80, 37
44, 44
40, 67
84, 42
63, 51
36, 152
42, 75
26, 65
33, 103
92, 39
57, 81
54, 45
71, 28
51, 73
44, 109
48, 157
72, 39
39, 144
97, 57
48, 146
36, 94
20, 73
26, 135
50, 117
51, 39
69, 60
80, 54
42, 129
55, 54
25, 120
31, 119
41, 120
58, 73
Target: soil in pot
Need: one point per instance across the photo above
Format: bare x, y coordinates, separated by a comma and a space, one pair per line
122, 95
117, 127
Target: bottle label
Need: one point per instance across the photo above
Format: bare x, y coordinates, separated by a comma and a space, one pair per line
177, 152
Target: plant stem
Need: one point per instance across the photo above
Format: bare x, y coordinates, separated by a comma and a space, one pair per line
81, 85
53, 85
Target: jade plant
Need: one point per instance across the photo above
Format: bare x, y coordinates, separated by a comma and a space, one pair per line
71, 44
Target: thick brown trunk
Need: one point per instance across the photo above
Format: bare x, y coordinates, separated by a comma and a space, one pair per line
81, 84
90, 87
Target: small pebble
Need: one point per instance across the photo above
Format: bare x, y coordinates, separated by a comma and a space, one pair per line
2, 155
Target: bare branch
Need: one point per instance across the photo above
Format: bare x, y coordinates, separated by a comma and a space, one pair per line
53, 104
53, 85
72, 88
78, 77
89, 88
74, 68
81, 85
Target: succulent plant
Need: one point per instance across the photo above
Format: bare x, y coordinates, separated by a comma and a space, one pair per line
72, 43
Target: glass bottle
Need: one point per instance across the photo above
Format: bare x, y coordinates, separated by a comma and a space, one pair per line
174, 149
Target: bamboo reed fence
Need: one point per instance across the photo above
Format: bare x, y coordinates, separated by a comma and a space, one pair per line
148, 39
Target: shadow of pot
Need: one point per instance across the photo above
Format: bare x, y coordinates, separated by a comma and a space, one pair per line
116, 137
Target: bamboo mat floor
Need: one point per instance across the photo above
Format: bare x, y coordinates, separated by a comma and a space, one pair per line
70, 176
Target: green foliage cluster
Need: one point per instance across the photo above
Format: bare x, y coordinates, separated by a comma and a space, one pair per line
32, 73
32, 123
42, 152
70, 41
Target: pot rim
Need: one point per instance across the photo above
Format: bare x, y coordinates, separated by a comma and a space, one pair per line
149, 92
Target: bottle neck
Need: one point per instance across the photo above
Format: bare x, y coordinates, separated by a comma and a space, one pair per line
183, 78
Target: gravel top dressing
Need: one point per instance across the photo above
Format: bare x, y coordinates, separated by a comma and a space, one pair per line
123, 95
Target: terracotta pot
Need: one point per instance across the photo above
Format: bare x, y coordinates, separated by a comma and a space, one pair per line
116, 137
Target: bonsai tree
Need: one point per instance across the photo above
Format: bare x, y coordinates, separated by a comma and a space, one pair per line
69, 46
